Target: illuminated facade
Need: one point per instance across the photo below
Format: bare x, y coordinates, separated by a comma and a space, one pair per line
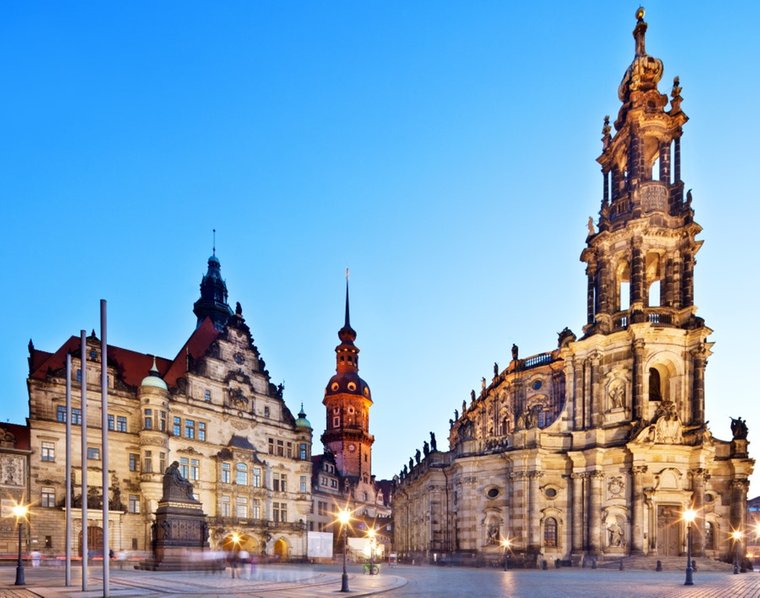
596, 447
212, 408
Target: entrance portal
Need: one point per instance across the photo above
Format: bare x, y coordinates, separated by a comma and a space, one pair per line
668, 530
281, 549
94, 541
235, 542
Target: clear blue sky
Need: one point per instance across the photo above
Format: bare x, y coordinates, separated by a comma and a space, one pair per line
443, 150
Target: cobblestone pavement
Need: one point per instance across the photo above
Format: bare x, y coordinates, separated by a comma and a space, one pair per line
293, 581
569, 583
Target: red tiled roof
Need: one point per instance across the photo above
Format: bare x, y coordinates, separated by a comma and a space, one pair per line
196, 346
132, 366
21, 434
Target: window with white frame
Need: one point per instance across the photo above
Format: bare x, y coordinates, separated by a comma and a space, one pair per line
134, 503
47, 497
48, 451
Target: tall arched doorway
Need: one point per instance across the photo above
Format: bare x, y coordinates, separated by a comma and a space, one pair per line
281, 549
94, 541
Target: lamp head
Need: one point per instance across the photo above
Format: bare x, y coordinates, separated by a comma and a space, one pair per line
737, 535
689, 515
20, 511
344, 516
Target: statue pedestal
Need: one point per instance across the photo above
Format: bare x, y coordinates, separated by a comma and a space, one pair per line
180, 531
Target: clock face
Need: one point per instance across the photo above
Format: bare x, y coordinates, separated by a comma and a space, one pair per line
352, 447
239, 359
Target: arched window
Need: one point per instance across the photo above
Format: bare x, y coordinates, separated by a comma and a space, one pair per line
623, 286
550, 532
655, 385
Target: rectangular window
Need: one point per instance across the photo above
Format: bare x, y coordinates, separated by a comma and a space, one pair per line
148, 462
224, 506
283, 482
336, 422
48, 541
134, 461
322, 508
48, 451
290, 450
256, 509
162, 420
280, 448
111, 423
333, 483
241, 474
323, 480
161, 462
134, 543
47, 498
134, 503
177, 426
202, 431
93, 453
271, 446
302, 452
184, 465
280, 512
79, 375
276, 512
226, 475
148, 420
241, 508
207, 395
256, 477
121, 423
76, 417
195, 470
302, 485
60, 414
190, 429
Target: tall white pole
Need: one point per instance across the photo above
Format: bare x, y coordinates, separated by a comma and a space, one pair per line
68, 470
104, 442
83, 406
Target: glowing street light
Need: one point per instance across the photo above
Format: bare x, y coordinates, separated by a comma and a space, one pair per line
20, 511
344, 518
506, 544
736, 535
689, 515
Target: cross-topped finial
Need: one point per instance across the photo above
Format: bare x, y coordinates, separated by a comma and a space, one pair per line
213, 245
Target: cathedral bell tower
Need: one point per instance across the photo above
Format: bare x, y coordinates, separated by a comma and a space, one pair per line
640, 258
640, 261
347, 402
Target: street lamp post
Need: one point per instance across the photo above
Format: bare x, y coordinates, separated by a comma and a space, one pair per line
344, 516
688, 516
20, 512
506, 545
737, 536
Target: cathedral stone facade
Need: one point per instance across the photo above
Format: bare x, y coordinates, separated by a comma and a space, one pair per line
596, 447
212, 408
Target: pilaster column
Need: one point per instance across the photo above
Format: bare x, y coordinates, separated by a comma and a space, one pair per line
587, 388
594, 514
638, 379
699, 356
739, 512
698, 478
637, 277
578, 422
590, 286
677, 159
637, 511
606, 188
534, 523
594, 402
687, 280
578, 500
676, 283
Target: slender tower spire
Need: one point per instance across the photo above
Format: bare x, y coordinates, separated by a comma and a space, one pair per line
213, 299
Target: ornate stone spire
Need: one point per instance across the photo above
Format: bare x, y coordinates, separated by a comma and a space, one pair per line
213, 299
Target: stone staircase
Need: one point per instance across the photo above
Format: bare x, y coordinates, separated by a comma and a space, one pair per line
669, 563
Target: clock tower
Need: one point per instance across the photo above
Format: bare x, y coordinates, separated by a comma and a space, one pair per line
347, 402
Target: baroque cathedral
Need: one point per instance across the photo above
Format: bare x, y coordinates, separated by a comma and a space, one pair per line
596, 448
